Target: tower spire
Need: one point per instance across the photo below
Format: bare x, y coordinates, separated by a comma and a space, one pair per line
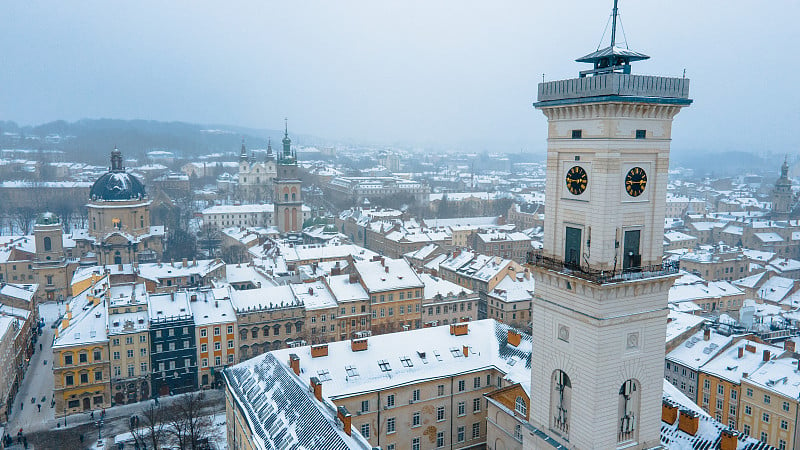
243, 153
614, 25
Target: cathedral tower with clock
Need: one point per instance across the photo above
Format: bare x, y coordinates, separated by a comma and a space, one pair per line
600, 305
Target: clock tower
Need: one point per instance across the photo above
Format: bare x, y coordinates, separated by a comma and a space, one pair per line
600, 304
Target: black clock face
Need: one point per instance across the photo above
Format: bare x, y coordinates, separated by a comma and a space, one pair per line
576, 180
635, 181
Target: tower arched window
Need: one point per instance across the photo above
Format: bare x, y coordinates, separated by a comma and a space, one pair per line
560, 403
629, 400
48, 244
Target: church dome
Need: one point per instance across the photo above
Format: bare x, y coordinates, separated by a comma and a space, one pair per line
47, 218
117, 184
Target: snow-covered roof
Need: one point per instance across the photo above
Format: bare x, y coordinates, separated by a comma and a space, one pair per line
23, 292
314, 295
696, 351
89, 322
344, 290
213, 307
157, 271
426, 353
263, 208
727, 365
264, 298
435, 286
387, 274
512, 289
282, 413
172, 306
680, 322
780, 376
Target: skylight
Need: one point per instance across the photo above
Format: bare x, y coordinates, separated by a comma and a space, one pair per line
351, 371
456, 352
384, 365
406, 361
324, 375
437, 355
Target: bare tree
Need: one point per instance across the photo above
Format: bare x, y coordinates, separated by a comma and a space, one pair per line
148, 428
187, 424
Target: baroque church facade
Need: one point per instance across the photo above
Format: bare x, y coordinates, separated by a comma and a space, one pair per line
256, 178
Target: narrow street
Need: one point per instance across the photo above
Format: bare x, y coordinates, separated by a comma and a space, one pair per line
38, 381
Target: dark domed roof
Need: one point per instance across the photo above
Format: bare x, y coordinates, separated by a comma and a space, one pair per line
47, 218
117, 184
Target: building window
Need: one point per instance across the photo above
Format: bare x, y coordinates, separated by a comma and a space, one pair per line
746, 429
415, 395
69, 380
462, 408
415, 444
518, 432
390, 425
766, 399
365, 430
577, 134
786, 406
130, 353
415, 419
520, 406
390, 401
440, 390
748, 410
641, 134
116, 355
461, 434
784, 425
765, 417
476, 430
364, 405
476, 405
203, 332
476, 382
749, 392
84, 378
68, 359
764, 437
83, 357
440, 414
461, 386
440, 439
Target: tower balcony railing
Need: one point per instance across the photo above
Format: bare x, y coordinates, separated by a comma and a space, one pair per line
535, 258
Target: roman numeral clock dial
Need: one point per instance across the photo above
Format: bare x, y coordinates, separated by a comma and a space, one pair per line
635, 181
576, 180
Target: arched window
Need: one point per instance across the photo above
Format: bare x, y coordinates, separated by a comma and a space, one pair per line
255, 332
243, 334
288, 328
276, 330
518, 432
560, 403
266, 330
520, 406
48, 245
629, 400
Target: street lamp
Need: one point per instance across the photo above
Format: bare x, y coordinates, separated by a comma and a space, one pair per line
99, 429
65, 415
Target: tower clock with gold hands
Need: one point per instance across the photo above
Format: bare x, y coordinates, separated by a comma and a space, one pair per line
635, 181
576, 180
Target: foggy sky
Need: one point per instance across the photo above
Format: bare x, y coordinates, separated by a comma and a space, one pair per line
450, 73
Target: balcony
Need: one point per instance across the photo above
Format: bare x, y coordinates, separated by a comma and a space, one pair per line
536, 259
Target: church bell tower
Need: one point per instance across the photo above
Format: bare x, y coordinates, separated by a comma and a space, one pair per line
600, 304
288, 194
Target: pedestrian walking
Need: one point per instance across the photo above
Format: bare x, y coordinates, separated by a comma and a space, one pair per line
81, 438
39, 405
91, 414
40, 346
25, 441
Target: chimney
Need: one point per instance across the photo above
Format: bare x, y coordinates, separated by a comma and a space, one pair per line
319, 350
344, 417
689, 421
459, 329
707, 334
465, 349
353, 278
750, 348
358, 345
766, 356
729, 439
386, 269
193, 298
185, 262
316, 387
294, 363
789, 345
741, 352
514, 338
669, 411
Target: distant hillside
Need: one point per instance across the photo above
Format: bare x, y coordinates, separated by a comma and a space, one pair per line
721, 164
90, 140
